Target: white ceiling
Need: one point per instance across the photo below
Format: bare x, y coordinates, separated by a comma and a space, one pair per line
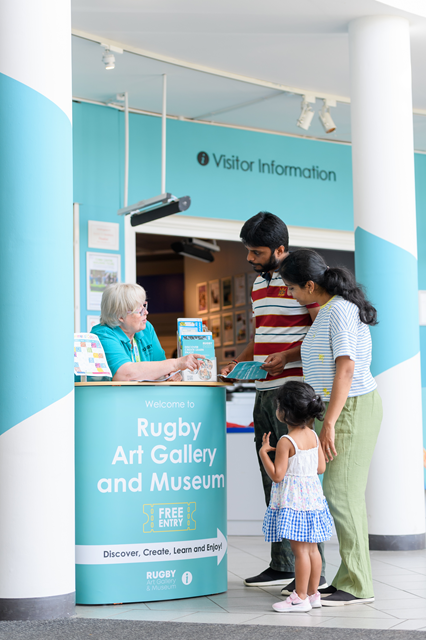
301, 43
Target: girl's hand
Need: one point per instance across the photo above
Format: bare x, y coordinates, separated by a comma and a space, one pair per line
326, 438
266, 447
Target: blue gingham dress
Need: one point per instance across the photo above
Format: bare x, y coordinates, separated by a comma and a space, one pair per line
298, 509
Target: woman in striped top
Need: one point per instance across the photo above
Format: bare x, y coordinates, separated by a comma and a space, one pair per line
336, 357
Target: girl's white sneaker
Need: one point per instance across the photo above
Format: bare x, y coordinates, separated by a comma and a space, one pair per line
315, 600
293, 604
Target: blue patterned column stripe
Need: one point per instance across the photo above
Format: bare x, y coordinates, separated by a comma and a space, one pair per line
389, 274
36, 325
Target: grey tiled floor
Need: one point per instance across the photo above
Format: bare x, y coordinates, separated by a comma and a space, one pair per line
399, 582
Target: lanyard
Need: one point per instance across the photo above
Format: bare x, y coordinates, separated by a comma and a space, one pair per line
135, 351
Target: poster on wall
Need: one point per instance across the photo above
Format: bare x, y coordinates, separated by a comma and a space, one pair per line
240, 290
103, 235
241, 327
201, 301
102, 269
228, 328
214, 295
214, 326
227, 294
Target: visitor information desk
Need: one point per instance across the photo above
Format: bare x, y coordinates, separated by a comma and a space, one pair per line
150, 491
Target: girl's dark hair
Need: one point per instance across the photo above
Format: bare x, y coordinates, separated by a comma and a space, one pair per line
305, 264
265, 230
299, 403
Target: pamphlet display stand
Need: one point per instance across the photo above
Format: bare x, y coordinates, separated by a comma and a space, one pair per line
150, 491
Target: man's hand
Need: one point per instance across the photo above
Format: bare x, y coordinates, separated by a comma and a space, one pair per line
226, 370
275, 363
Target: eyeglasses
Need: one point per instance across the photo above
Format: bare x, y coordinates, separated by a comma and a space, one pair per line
143, 309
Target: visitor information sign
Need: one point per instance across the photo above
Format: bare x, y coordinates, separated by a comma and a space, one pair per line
150, 493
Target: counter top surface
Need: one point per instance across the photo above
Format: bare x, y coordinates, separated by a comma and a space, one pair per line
166, 383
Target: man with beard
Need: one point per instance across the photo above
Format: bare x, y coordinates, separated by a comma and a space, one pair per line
281, 325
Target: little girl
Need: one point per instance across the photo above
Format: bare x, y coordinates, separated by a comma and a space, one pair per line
298, 510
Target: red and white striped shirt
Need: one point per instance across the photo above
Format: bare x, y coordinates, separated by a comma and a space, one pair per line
281, 324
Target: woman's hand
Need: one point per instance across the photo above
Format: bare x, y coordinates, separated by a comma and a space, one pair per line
176, 378
266, 445
326, 438
275, 363
191, 362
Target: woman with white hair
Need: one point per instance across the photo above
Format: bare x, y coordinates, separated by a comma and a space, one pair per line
131, 346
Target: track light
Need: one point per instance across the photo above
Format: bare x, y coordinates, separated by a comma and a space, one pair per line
108, 59
305, 118
154, 208
191, 250
325, 117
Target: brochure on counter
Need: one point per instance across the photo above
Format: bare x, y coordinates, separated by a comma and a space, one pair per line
89, 356
247, 371
201, 343
193, 340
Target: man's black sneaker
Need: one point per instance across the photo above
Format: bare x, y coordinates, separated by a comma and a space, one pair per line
288, 590
326, 590
340, 598
270, 577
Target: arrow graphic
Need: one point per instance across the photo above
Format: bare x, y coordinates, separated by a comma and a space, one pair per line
152, 551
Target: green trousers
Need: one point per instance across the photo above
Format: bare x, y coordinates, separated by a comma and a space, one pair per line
345, 481
265, 421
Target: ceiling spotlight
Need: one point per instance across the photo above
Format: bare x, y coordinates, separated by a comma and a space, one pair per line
325, 117
108, 59
306, 115
191, 250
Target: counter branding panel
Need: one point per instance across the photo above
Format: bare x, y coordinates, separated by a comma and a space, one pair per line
150, 493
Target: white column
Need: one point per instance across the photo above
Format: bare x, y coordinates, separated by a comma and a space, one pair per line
37, 542
386, 263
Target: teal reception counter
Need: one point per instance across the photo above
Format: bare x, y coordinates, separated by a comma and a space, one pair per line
150, 491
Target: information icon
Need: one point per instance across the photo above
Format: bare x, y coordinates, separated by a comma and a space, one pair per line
187, 577
203, 158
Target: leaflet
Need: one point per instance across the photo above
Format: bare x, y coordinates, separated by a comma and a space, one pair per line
189, 325
247, 371
89, 356
201, 344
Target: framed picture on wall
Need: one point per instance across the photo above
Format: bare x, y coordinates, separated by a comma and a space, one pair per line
201, 301
227, 328
240, 326
240, 290
251, 277
227, 293
214, 295
102, 269
215, 328
229, 354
